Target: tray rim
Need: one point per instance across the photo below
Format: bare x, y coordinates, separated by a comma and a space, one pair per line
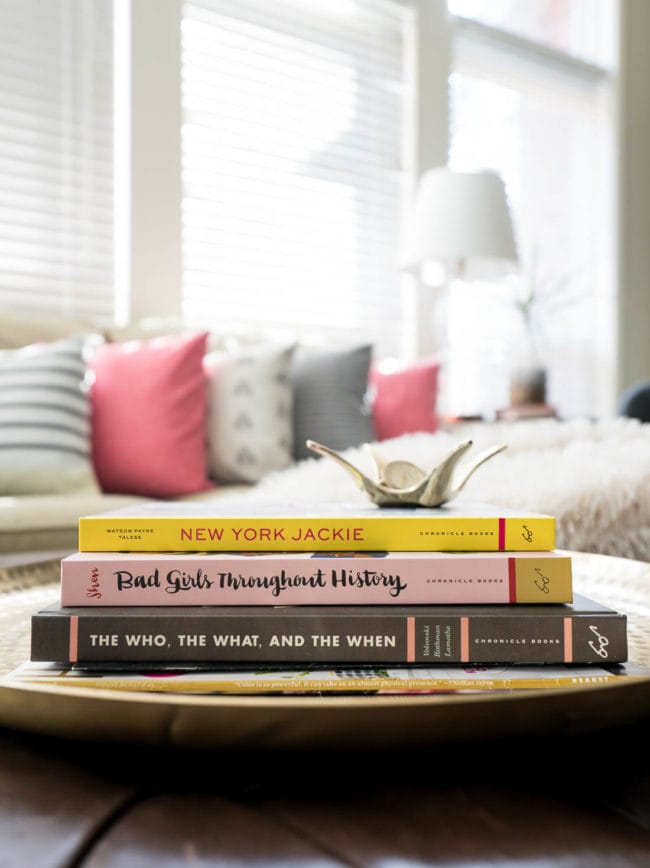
302, 723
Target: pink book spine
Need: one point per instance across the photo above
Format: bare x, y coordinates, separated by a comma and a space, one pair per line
103, 579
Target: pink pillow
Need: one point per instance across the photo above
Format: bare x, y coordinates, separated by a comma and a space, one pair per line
404, 400
149, 416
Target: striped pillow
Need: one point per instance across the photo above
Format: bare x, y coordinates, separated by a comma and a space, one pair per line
44, 418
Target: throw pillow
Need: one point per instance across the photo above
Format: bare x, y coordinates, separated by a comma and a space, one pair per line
148, 417
44, 418
249, 413
404, 400
329, 404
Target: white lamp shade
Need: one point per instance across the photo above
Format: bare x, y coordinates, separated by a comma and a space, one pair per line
462, 220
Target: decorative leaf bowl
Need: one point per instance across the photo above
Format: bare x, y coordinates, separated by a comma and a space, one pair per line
402, 483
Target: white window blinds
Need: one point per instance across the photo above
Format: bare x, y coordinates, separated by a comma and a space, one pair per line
56, 213
292, 175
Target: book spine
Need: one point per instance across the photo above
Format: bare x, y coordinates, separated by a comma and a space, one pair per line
296, 684
316, 637
309, 580
377, 533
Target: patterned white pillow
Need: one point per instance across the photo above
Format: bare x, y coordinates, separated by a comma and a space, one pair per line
44, 418
249, 413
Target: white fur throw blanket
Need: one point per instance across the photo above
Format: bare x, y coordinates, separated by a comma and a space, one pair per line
594, 477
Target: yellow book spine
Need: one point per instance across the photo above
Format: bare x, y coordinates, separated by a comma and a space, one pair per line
376, 533
253, 686
541, 580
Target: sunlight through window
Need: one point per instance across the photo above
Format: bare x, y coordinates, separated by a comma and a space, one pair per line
292, 174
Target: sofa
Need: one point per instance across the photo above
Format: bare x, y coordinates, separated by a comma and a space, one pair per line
635, 401
204, 416
96, 419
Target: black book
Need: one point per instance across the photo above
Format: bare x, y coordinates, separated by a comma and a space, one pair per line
581, 632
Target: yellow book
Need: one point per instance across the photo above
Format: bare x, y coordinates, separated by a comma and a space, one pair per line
365, 680
216, 526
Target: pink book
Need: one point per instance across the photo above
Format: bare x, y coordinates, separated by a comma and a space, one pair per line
318, 578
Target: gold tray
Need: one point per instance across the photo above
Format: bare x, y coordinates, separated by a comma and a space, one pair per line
342, 722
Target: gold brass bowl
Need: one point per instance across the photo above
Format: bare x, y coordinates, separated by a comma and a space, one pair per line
402, 483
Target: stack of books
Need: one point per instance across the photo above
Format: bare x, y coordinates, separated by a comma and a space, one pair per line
360, 599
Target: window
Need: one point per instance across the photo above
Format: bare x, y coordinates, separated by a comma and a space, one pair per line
580, 28
544, 121
56, 213
292, 165
293, 158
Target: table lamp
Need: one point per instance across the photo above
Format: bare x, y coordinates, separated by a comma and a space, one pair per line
461, 221
461, 229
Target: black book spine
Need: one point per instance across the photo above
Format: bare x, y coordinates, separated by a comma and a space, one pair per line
207, 639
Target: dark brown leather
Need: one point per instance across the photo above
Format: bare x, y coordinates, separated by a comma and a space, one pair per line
50, 807
194, 829
583, 801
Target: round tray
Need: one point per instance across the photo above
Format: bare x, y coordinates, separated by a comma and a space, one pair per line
348, 722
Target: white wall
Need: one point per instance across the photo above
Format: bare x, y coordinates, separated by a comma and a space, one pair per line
634, 194
148, 158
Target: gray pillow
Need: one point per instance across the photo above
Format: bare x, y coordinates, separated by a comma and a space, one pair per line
329, 400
